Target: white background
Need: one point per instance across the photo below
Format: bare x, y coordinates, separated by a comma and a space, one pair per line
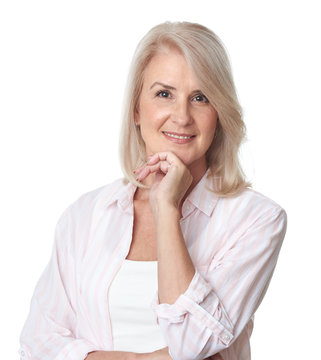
63, 67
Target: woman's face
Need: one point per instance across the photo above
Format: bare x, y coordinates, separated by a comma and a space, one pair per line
173, 113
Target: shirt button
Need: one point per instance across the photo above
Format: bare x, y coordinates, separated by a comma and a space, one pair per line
226, 337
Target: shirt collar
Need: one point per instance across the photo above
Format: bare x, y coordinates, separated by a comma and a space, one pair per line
123, 195
201, 197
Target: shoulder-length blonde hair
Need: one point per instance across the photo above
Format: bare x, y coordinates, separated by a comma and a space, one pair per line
208, 59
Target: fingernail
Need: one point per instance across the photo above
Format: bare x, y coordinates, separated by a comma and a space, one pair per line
137, 170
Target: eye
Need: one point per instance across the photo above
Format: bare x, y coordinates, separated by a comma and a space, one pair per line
200, 98
163, 94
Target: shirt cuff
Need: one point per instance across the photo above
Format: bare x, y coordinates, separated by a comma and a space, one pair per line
75, 350
197, 290
201, 302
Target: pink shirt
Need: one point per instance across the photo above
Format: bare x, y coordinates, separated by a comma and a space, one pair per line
233, 242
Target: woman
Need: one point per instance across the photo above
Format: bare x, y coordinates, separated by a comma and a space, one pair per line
184, 228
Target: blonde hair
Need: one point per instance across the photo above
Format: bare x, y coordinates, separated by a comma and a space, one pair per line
205, 54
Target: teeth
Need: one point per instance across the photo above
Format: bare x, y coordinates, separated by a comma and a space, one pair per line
177, 136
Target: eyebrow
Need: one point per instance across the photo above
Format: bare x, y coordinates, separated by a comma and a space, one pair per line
169, 87
163, 85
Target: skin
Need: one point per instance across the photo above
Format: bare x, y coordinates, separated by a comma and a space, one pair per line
161, 354
170, 102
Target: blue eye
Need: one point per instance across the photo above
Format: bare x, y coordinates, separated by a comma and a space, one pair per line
163, 94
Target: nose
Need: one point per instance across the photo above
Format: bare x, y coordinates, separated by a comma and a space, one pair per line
182, 114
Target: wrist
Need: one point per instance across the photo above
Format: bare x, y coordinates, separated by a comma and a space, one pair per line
163, 209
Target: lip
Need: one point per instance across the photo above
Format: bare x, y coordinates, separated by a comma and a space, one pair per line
176, 140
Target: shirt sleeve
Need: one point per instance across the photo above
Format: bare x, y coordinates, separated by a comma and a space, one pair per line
216, 306
48, 333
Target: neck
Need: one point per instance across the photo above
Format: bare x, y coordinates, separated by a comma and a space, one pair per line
197, 170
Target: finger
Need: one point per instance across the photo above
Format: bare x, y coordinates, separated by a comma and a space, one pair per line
161, 166
159, 176
142, 173
153, 159
164, 156
164, 166
139, 169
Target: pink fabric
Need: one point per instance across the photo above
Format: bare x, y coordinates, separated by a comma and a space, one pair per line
234, 244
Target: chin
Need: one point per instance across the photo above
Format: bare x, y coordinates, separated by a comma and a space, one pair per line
185, 159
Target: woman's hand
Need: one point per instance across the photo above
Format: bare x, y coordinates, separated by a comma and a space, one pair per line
172, 179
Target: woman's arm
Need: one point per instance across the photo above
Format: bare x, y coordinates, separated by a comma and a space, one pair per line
213, 311
48, 331
175, 267
161, 354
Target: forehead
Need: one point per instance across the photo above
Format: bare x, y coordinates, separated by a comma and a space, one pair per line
170, 67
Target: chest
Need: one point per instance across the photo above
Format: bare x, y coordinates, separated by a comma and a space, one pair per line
143, 245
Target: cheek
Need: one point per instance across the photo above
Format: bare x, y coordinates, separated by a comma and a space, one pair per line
209, 124
150, 123
153, 116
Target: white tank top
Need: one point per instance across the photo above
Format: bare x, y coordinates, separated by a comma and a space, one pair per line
130, 295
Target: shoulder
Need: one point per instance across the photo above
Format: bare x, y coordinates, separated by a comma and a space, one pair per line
249, 218
76, 222
249, 200
253, 198
249, 209
103, 194
88, 202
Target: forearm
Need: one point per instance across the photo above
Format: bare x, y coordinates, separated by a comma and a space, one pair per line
161, 354
111, 355
175, 267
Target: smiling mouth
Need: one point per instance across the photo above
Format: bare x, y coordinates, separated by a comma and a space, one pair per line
178, 136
